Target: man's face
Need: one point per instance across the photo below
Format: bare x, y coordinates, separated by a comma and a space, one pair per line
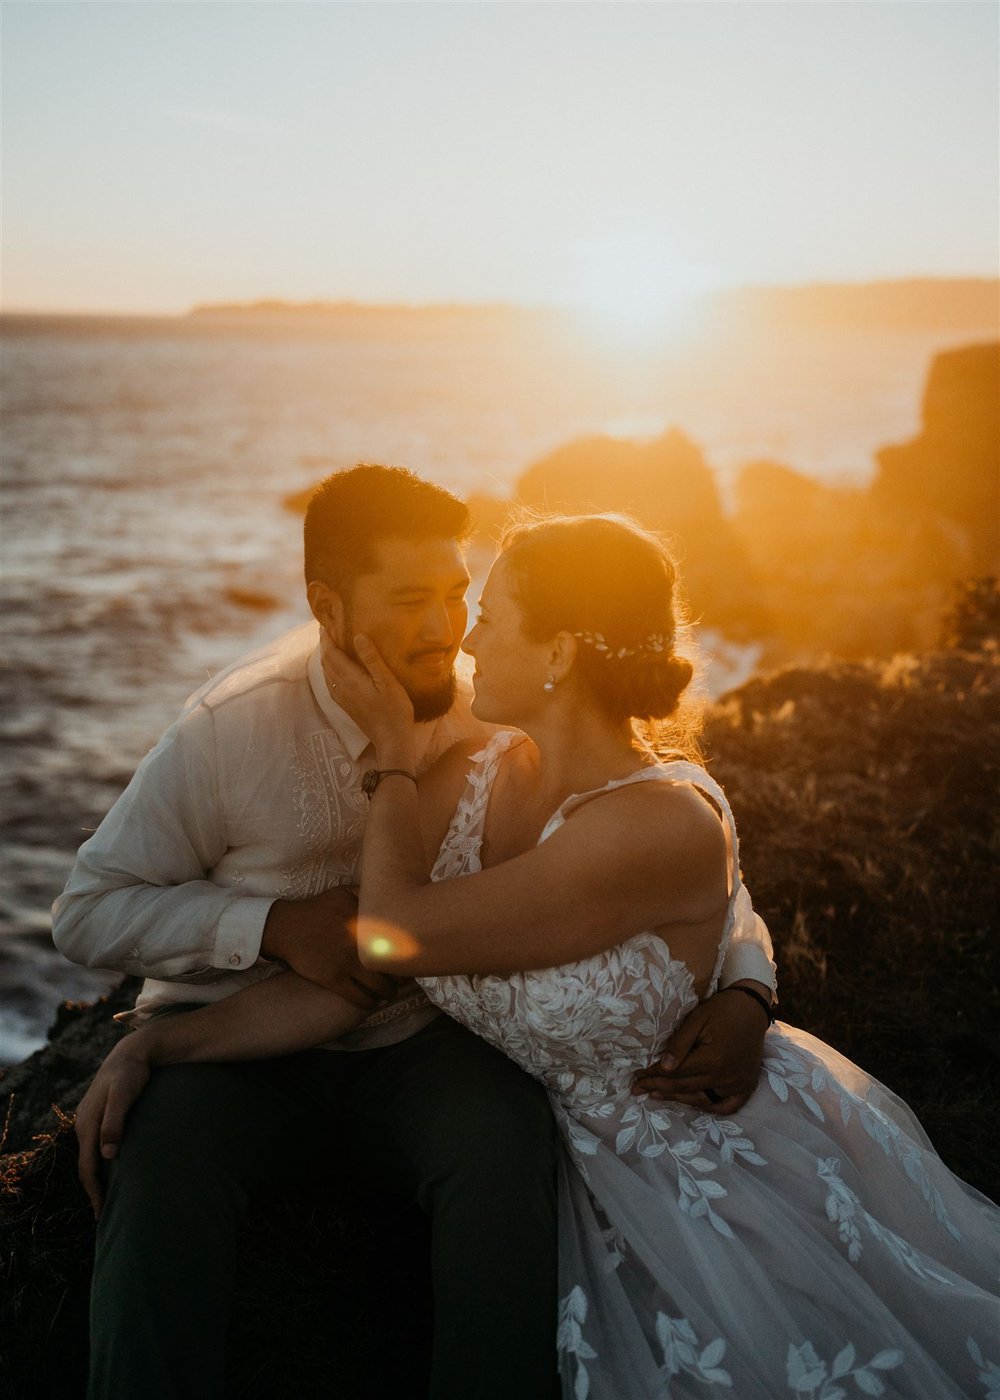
413, 608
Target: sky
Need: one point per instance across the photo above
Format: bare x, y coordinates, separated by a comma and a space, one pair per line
159, 155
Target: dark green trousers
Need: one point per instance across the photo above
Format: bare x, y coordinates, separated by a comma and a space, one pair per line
441, 1119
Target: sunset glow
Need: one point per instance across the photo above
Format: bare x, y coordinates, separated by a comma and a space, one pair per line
635, 289
619, 157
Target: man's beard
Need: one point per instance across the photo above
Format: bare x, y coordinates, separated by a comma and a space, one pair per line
427, 704
432, 704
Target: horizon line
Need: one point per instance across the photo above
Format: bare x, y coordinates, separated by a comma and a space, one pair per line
324, 304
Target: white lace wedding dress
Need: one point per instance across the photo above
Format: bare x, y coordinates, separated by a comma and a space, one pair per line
812, 1246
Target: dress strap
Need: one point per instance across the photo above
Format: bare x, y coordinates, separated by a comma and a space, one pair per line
479, 782
459, 852
681, 771
488, 758
693, 773
740, 913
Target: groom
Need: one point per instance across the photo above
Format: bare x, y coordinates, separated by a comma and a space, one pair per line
229, 856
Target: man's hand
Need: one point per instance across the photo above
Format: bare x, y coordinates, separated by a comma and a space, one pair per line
712, 1061
315, 937
100, 1118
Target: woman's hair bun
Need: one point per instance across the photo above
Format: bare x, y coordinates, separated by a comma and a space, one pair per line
653, 689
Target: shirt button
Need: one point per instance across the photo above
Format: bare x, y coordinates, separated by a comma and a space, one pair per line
234, 961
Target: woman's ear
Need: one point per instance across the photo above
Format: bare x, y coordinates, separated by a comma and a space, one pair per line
562, 654
327, 607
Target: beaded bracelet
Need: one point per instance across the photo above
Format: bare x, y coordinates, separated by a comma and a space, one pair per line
374, 776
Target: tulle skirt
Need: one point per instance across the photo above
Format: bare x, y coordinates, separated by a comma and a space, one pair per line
812, 1246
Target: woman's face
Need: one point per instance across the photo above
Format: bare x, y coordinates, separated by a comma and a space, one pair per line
510, 668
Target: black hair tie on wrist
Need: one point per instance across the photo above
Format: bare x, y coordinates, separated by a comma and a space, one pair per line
766, 1007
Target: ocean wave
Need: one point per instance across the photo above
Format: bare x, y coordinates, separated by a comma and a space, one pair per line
35, 978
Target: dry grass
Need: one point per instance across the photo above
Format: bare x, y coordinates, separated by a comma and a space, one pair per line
867, 800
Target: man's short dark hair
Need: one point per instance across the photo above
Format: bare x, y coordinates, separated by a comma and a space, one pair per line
352, 511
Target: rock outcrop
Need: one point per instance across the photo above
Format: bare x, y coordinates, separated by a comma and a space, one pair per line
950, 472
854, 572
805, 568
669, 486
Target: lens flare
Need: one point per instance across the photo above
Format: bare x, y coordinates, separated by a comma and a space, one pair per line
384, 941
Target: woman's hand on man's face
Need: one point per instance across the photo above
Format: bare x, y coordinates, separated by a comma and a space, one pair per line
368, 691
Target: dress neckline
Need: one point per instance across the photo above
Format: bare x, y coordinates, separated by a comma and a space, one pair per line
486, 763
649, 772
462, 844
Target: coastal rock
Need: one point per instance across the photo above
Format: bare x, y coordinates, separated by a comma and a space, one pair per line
667, 480
836, 574
804, 568
668, 486
52, 1081
950, 471
865, 572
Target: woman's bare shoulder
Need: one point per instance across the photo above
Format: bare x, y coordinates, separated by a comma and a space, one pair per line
669, 825
680, 808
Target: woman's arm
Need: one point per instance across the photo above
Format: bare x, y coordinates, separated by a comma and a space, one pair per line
636, 858
278, 1016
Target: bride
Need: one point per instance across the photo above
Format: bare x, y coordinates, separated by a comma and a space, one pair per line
811, 1245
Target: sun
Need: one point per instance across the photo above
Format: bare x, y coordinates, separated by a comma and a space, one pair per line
637, 288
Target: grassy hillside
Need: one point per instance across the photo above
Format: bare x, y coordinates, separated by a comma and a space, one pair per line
866, 797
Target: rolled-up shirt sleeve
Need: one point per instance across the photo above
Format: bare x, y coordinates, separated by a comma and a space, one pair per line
140, 898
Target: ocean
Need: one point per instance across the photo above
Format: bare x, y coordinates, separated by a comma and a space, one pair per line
145, 542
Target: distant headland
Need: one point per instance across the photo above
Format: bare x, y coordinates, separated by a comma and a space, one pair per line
275, 306
969, 304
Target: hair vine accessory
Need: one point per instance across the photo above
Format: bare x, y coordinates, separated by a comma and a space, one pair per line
653, 644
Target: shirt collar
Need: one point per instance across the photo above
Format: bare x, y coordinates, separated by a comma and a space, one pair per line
351, 735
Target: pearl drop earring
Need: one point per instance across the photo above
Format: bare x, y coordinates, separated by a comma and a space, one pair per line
550, 684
